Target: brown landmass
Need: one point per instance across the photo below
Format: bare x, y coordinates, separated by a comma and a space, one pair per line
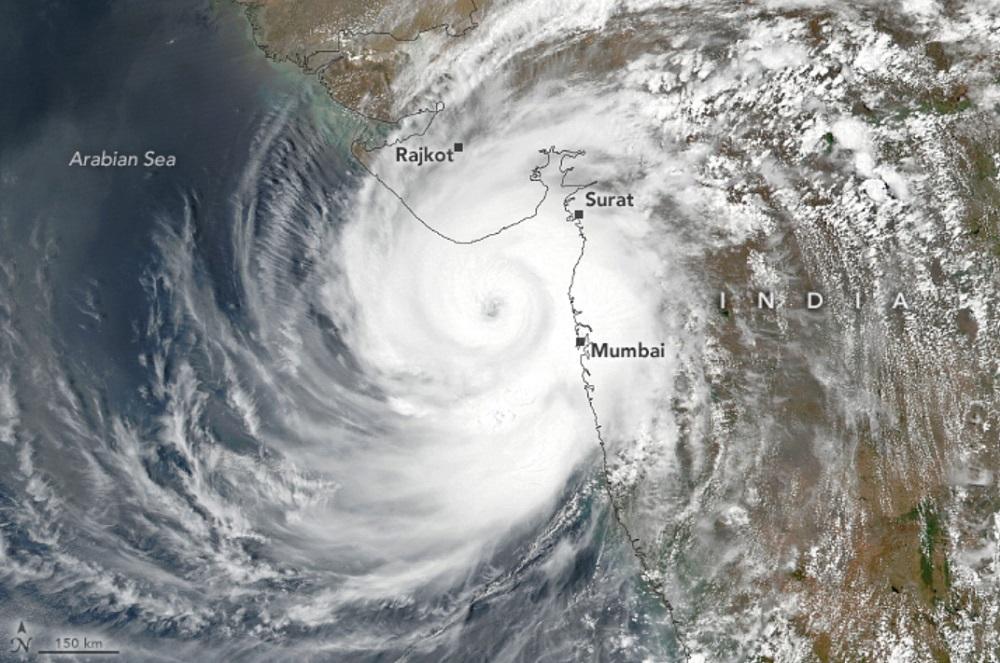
356, 48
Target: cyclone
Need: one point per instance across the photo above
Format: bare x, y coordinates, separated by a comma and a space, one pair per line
413, 369
361, 411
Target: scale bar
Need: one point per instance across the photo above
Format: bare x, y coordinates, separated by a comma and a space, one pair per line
78, 651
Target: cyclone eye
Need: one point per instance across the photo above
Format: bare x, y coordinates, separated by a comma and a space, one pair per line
492, 307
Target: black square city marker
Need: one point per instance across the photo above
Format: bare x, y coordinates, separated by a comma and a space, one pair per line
578, 214
458, 147
580, 341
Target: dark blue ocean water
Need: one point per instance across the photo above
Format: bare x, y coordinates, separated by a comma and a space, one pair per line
76, 283
181, 79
